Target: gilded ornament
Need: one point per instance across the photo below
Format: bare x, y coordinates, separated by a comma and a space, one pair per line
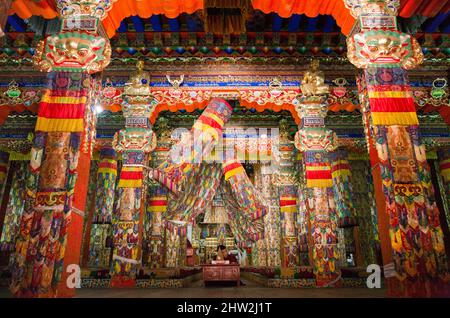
72, 52
372, 7
383, 48
139, 81
313, 82
94, 8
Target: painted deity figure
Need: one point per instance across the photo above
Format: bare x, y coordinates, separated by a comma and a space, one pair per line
313, 82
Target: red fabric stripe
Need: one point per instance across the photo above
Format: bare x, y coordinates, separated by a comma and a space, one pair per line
287, 202
392, 105
131, 175
231, 166
3, 169
211, 122
318, 174
158, 202
445, 165
61, 111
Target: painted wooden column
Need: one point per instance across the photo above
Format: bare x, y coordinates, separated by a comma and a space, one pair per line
419, 265
157, 199
134, 142
97, 240
303, 223
315, 142
287, 191
346, 216
64, 126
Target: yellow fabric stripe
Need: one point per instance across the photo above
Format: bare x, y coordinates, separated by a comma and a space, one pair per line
132, 169
315, 168
158, 208
390, 94
288, 198
341, 172
234, 172
60, 125
158, 198
216, 118
288, 209
130, 184
319, 183
394, 118
64, 99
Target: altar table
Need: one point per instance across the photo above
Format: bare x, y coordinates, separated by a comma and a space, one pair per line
222, 272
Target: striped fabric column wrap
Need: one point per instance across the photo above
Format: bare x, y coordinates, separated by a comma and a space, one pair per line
390, 97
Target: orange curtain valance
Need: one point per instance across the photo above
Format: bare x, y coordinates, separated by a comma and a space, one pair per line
145, 9
27, 8
311, 8
173, 8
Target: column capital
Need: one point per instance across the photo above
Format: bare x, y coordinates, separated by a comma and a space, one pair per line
312, 109
376, 41
372, 7
82, 8
138, 105
81, 45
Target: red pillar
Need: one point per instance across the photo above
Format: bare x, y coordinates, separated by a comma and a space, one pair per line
75, 228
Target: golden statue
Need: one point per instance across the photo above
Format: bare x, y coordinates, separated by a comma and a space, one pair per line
313, 82
139, 81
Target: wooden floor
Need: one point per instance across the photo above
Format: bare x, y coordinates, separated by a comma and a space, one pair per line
250, 290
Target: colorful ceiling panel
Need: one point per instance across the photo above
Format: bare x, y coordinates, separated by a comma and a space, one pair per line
284, 8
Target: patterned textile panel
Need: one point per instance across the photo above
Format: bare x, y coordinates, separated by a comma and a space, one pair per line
15, 206
365, 208
106, 185
416, 235
100, 247
340, 171
204, 135
41, 241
